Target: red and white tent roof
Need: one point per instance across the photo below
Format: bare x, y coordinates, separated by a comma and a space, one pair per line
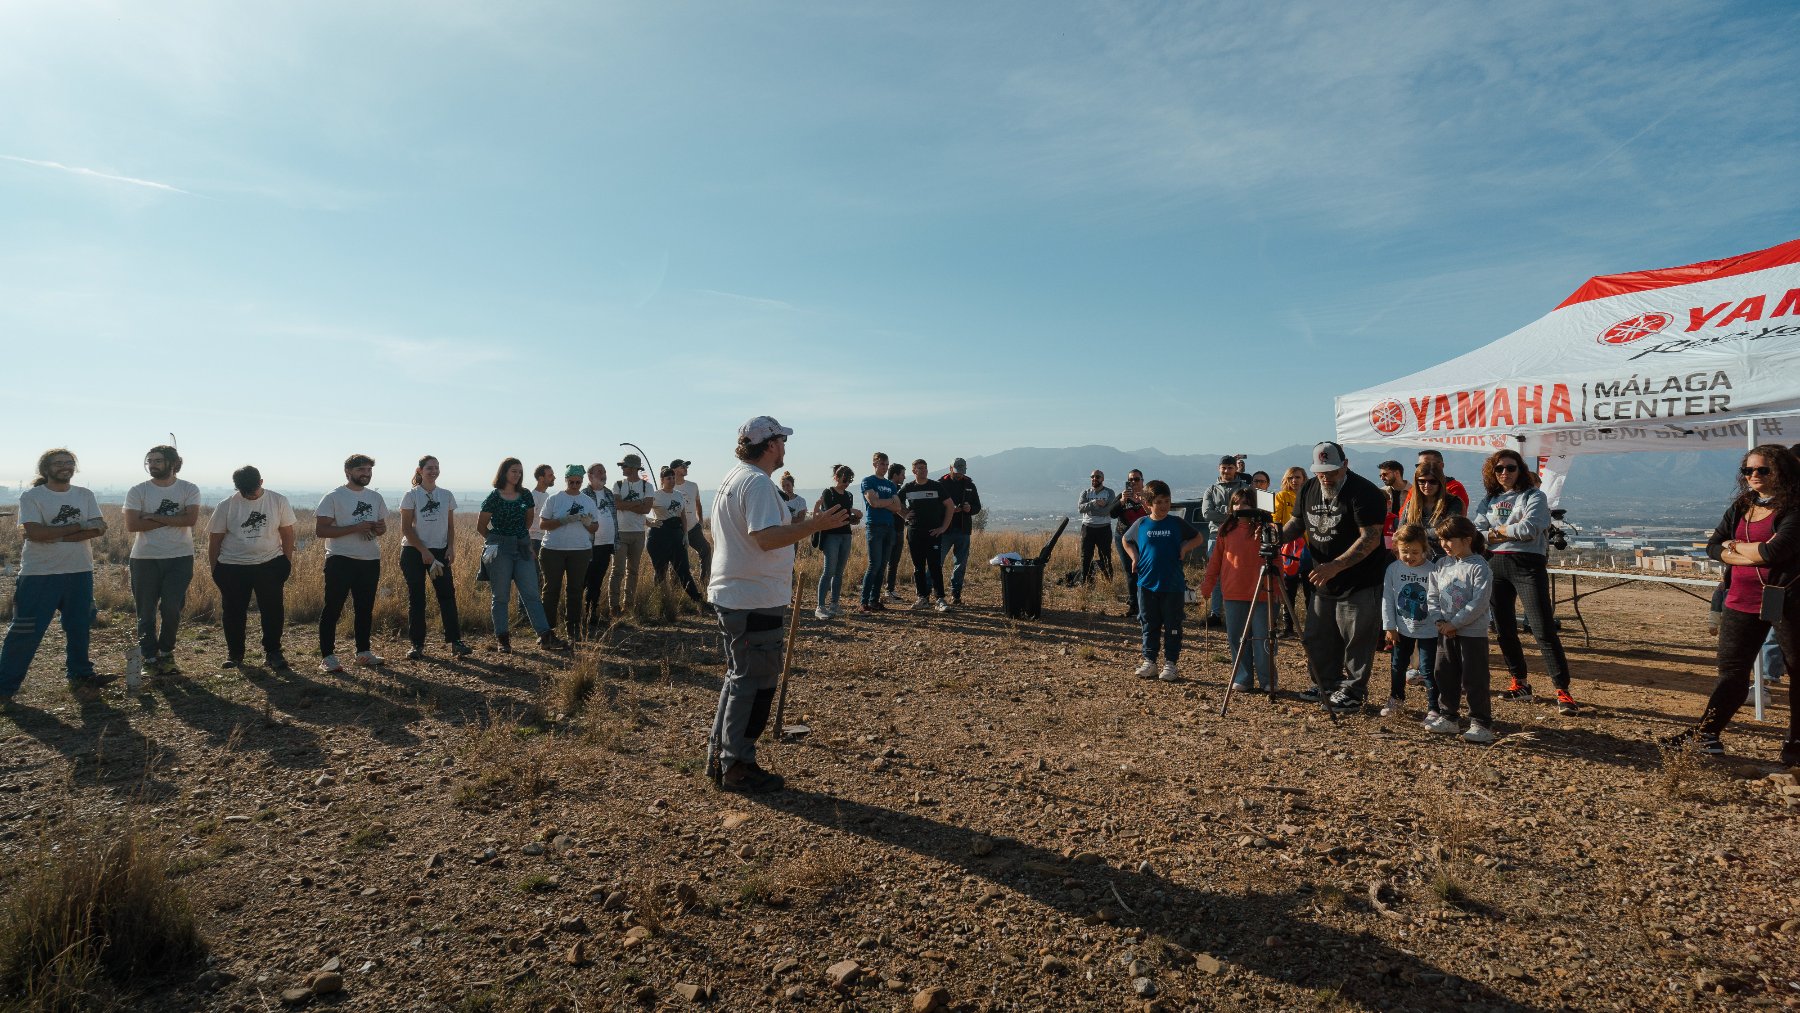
1675, 359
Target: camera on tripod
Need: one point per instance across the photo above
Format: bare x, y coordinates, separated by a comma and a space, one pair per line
1268, 536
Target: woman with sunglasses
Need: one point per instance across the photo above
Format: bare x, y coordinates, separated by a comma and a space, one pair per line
1429, 503
1758, 540
1514, 517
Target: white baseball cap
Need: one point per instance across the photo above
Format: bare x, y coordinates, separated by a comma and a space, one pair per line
1327, 457
762, 428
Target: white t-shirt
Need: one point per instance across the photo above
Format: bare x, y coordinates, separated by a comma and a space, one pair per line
252, 527
690, 493
628, 492
561, 505
608, 513
795, 506
75, 507
744, 575
668, 505
343, 506
537, 501
163, 501
431, 516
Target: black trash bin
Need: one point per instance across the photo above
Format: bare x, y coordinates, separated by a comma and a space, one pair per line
1022, 589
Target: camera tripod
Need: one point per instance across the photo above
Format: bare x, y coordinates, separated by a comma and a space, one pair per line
1268, 579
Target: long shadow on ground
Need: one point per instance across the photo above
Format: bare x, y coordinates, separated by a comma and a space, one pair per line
1313, 956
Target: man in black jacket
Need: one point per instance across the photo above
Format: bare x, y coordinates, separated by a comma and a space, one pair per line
960, 488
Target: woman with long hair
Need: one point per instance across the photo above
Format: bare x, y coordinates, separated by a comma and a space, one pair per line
1758, 540
834, 544
1291, 481
505, 527
427, 552
1429, 504
1514, 517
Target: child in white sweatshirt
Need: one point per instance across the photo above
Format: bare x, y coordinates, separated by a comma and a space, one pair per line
1407, 619
1461, 590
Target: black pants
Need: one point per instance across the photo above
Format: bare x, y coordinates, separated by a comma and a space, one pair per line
357, 580
1095, 538
668, 548
596, 581
413, 568
564, 568
696, 540
1462, 669
928, 563
1741, 636
1524, 578
237, 582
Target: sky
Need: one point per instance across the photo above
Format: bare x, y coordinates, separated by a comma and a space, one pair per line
287, 231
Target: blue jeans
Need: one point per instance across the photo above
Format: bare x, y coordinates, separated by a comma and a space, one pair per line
959, 540
1402, 657
1256, 654
882, 539
836, 550
514, 565
1773, 664
1216, 604
1160, 614
35, 600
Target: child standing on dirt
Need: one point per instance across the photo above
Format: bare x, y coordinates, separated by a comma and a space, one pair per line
1233, 567
1406, 617
1154, 545
1461, 590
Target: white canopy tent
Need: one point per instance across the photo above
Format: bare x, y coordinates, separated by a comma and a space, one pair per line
1683, 358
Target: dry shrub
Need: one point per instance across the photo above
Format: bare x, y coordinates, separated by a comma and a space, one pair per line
567, 689
815, 873
1688, 775
89, 917
505, 761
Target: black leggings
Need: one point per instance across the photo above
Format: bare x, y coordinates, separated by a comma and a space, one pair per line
357, 580
928, 563
596, 579
1524, 578
1741, 636
668, 549
413, 568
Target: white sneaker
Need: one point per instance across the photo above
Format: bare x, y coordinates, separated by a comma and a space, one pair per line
134, 669
1146, 670
1414, 677
1430, 716
893, 596
369, 659
1169, 674
1391, 708
1478, 733
921, 605
331, 665
821, 614
942, 605
1442, 725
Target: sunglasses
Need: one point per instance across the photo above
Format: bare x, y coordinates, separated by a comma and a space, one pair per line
1501, 469
1763, 471
1427, 481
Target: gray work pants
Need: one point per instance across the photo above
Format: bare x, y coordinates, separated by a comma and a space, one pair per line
753, 643
160, 587
628, 558
1340, 640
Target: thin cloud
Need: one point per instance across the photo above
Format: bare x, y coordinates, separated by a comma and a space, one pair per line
96, 174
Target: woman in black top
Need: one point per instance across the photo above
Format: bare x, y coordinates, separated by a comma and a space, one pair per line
835, 544
1758, 540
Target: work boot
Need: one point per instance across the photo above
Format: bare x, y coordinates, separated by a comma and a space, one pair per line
750, 779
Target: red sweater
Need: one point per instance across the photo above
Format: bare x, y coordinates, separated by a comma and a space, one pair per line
1236, 559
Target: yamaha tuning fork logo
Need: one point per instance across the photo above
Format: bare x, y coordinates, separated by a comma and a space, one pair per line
1635, 328
1387, 417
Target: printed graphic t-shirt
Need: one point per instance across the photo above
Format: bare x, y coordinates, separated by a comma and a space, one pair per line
668, 506
607, 513
431, 516
38, 505
562, 506
926, 501
883, 489
631, 492
343, 506
1333, 523
252, 527
153, 500
1158, 545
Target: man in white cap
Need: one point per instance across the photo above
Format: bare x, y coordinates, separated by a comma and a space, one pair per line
751, 586
1342, 515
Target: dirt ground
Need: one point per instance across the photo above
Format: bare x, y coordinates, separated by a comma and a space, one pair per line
995, 809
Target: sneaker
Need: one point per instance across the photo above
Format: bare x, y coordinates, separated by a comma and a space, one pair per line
1442, 725
956, 599
369, 659
231, 663
330, 665
505, 642
942, 605
460, 649
1169, 673
821, 614
1147, 670
278, 663
864, 608
750, 779
1565, 704
1430, 716
1342, 701
1414, 677
166, 665
1517, 691
415, 652
1310, 694
877, 606
1478, 733
1391, 708
552, 642
1790, 750
892, 595
921, 604
134, 669
87, 690
1705, 743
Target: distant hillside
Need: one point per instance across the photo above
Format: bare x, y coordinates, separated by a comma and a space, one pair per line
1681, 488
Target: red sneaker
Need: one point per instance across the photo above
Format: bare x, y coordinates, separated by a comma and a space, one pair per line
1565, 704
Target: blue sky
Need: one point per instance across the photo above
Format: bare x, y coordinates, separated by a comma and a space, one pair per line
289, 231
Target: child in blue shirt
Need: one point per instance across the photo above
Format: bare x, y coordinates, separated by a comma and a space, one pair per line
1154, 546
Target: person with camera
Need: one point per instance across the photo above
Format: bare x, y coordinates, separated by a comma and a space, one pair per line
1248, 541
1154, 545
1125, 513
1514, 517
1758, 540
1342, 515
1215, 506
1095, 507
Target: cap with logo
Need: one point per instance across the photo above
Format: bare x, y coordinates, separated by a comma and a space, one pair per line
762, 428
1327, 457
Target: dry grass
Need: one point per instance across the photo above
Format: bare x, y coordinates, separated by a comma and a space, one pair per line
1688, 775
505, 761
91, 917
